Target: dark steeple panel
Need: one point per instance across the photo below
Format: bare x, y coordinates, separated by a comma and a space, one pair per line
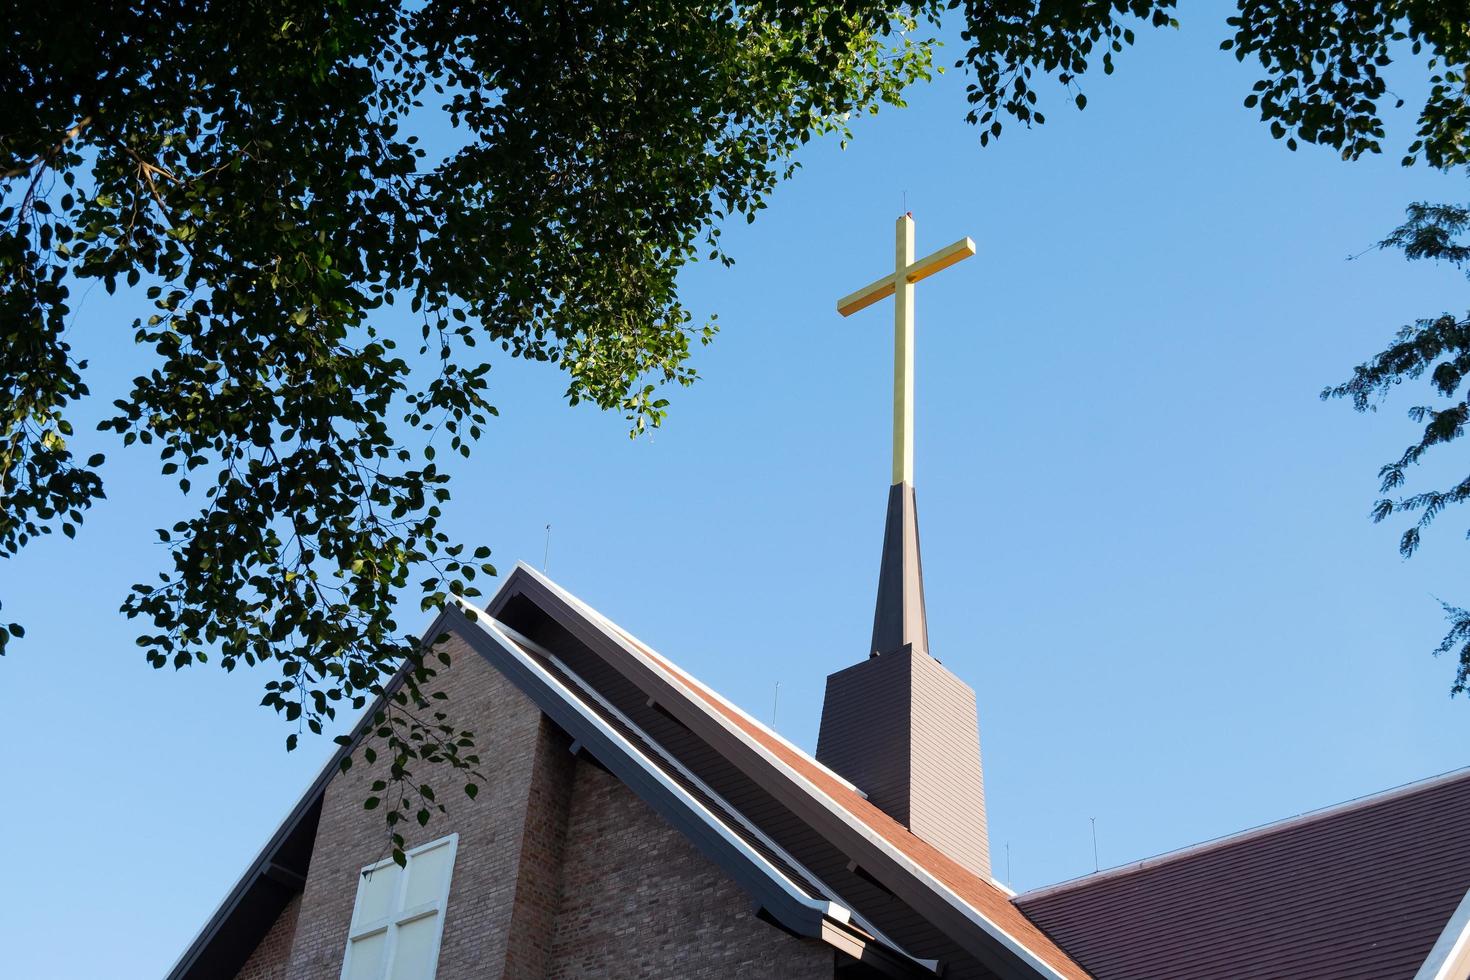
899, 619
900, 726
904, 730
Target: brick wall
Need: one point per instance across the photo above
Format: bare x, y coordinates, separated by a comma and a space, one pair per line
269, 960
561, 871
510, 734
543, 847
637, 900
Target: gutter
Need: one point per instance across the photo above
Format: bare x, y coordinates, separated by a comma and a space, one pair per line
1023, 956
776, 895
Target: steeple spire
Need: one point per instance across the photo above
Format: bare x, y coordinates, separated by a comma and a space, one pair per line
898, 723
899, 620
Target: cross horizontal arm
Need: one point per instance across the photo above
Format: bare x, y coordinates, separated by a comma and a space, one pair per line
922, 269
867, 296
942, 259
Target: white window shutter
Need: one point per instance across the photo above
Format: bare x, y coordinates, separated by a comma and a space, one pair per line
398, 916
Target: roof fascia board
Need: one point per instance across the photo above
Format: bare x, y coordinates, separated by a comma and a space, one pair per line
1449, 958
763, 881
257, 868
524, 572
775, 848
910, 881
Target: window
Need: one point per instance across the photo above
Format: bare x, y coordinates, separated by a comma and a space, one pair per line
399, 915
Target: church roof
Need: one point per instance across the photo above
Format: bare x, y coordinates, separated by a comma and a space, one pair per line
988, 923
985, 929
785, 890
1363, 889
992, 906
1369, 889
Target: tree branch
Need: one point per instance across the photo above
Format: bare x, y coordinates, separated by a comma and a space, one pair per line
66, 138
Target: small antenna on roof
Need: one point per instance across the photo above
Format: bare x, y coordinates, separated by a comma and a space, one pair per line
1094, 843
775, 702
546, 553
1008, 865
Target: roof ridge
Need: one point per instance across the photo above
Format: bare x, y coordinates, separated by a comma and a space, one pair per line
1250, 833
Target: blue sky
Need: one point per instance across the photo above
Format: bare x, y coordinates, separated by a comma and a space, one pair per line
1146, 538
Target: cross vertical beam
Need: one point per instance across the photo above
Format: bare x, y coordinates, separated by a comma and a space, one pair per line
900, 285
903, 352
899, 620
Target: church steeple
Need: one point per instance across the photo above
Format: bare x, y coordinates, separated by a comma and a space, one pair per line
899, 725
899, 621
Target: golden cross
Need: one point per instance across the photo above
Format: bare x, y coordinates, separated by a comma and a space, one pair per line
900, 285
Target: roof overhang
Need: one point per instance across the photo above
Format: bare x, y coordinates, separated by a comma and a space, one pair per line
776, 896
980, 935
250, 908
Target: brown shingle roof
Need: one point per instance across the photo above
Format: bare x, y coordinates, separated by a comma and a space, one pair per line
984, 896
1358, 891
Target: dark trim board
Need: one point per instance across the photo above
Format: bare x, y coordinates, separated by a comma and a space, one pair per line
252, 906
279, 871
892, 872
803, 917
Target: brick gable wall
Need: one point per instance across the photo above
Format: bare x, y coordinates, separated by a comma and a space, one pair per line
510, 734
637, 900
271, 957
542, 850
561, 871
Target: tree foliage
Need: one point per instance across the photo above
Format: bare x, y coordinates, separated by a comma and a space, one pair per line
255, 169
1439, 347
1326, 86
1325, 64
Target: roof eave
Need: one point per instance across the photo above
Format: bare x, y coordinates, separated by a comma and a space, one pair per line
775, 895
263, 869
1001, 952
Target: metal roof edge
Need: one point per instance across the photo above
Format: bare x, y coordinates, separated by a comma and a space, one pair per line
987, 925
792, 907
1450, 955
699, 784
594, 614
223, 912
1250, 833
